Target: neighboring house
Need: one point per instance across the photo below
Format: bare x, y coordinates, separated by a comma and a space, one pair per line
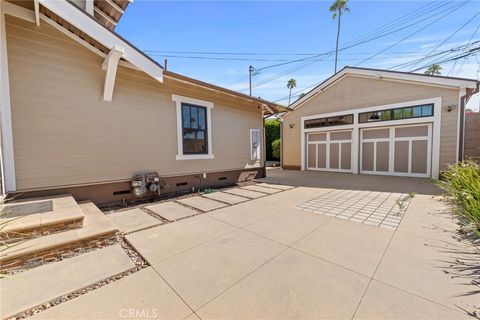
378, 122
83, 110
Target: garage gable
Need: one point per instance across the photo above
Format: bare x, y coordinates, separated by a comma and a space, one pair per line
354, 92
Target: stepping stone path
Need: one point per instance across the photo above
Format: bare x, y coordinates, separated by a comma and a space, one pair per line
171, 211
261, 189
225, 197
144, 291
34, 287
201, 203
245, 193
133, 220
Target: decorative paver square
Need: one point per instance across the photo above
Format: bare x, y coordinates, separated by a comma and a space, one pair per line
383, 209
171, 210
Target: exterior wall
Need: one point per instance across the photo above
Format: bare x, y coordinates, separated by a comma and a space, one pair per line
353, 92
65, 135
108, 193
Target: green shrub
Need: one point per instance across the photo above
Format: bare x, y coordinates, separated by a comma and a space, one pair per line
276, 149
272, 133
462, 184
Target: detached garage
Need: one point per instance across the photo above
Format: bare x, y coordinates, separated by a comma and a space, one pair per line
382, 122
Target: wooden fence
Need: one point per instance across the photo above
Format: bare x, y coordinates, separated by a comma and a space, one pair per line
472, 135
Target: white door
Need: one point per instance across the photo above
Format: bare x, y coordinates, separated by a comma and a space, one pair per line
329, 151
399, 150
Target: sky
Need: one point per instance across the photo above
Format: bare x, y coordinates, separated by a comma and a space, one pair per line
217, 41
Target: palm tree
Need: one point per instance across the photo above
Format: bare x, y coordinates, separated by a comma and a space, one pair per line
292, 83
337, 7
434, 70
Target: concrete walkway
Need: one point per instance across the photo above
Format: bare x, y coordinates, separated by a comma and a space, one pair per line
266, 258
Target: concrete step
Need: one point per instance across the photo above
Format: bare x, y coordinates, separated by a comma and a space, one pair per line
33, 217
34, 287
96, 229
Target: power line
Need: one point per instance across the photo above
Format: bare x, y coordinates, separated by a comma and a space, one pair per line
357, 42
415, 32
448, 38
469, 41
309, 61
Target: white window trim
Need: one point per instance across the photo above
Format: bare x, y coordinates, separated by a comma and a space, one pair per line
202, 103
258, 147
356, 126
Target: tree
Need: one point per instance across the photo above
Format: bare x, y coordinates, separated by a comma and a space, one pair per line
276, 149
292, 83
337, 7
434, 70
272, 132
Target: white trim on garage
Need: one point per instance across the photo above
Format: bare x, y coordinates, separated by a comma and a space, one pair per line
391, 140
327, 142
356, 126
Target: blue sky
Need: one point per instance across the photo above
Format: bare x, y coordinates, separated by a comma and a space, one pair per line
216, 41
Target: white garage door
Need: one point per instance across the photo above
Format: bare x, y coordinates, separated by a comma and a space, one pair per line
401, 150
330, 151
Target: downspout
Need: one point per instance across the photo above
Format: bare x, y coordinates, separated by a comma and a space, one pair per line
461, 144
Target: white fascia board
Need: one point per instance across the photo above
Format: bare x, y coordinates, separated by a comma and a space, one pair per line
379, 74
95, 30
385, 74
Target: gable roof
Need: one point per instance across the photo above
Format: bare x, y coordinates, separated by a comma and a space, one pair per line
441, 81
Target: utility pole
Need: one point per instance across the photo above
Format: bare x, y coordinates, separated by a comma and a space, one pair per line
251, 70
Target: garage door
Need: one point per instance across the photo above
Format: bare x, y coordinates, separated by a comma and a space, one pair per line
330, 151
402, 150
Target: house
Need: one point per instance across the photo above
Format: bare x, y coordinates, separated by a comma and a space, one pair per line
83, 111
378, 122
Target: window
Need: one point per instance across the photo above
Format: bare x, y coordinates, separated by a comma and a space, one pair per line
254, 144
194, 128
329, 122
397, 114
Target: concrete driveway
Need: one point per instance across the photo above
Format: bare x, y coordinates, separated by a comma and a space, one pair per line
281, 257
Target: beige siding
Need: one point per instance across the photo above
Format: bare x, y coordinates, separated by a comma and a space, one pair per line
355, 92
65, 134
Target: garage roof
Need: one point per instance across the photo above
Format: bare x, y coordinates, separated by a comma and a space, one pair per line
388, 74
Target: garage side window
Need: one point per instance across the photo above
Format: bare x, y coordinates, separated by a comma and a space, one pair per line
255, 144
397, 113
329, 121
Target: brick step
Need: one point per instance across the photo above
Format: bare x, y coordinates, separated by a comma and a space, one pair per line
96, 230
34, 217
